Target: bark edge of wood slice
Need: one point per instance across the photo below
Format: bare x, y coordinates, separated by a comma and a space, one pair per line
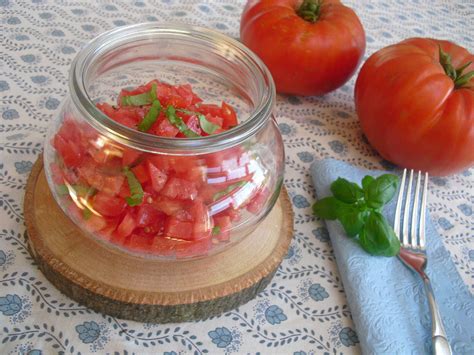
122, 285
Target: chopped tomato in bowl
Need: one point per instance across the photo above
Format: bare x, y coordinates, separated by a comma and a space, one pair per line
166, 205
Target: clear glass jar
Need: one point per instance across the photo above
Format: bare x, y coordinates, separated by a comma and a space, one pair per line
196, 195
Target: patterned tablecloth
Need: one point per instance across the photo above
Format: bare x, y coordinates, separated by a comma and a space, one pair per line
304, 309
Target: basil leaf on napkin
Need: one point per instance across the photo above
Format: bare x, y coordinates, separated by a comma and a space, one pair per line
377, 237
346, 191
327, 208
358, 210
381, 190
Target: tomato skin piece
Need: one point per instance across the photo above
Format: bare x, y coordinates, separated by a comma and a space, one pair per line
410, 111
291, 46
108, 206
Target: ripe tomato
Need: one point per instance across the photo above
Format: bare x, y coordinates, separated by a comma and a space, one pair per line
412, 112
310, 49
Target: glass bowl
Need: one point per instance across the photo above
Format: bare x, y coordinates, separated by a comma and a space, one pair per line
157, 196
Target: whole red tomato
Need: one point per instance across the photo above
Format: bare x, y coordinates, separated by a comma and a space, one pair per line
311, 47
415, 102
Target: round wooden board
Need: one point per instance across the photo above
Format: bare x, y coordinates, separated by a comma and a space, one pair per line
113, 282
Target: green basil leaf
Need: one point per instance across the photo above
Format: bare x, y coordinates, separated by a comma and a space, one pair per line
86, 213
153, 94
207, 126
328, 208
216, 230
137, 100
62, 190
136, 190
366, 181
228, 190
176, 121
346, 191
377, 237
382, 190
353, 220
150, 117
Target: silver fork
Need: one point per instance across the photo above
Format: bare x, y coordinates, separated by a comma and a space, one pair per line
413, 253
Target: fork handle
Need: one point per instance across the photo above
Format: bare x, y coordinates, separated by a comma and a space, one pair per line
440, 341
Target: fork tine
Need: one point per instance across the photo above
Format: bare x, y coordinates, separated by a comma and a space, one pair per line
423, 212
405, 241
414, 214
398, 211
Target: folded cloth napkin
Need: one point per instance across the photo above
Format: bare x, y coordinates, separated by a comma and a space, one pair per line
387, 300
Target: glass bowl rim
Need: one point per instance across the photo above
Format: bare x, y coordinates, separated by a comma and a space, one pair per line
112, 39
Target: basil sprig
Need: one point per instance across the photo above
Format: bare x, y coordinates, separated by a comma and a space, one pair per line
177, 121
136, 190
359, 211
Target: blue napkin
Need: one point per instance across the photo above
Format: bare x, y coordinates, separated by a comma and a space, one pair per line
387, 300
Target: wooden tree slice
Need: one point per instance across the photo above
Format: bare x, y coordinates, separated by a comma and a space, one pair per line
114, 282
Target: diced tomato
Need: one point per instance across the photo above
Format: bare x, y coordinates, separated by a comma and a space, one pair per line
193, 123
129, 156
127, 225
139, 243
158, 177
164, 128
165, 246
180, 189
113, 184
174, 228
197, 247
124, 191
229, 116
70, 152
215, 119
186, 91
148, 215
178, 212
107, 109
211, 109
95, 223
224, 224
107, 205
202, 221
141, 173
57, 174
107, 232
70, 130
258, 201
168, 206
